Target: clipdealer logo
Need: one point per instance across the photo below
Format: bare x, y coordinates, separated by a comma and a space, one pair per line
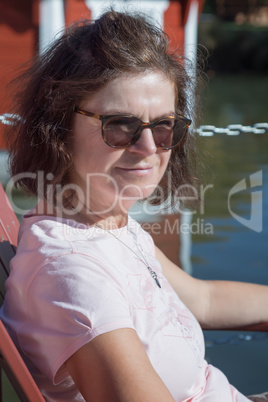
255, 221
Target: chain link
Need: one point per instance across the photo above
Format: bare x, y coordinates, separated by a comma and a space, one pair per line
204, 131
232, 129
9, 119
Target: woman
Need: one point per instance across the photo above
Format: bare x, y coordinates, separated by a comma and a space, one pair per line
97, 312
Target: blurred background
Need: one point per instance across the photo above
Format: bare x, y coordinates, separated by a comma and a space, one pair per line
236, 35
219, 240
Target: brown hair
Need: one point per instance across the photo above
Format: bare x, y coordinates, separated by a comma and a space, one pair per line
83, 60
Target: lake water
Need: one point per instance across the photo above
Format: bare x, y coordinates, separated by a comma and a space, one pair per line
229, 241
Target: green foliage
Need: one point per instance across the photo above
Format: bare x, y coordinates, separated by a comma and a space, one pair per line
210, 7
235, 48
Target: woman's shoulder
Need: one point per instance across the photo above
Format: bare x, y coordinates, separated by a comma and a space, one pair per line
44, 237
36, 230
48, 249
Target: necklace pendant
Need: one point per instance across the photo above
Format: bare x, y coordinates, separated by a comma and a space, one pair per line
154, 276
157, 282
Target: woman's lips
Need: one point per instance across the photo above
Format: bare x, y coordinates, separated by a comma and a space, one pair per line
138, 171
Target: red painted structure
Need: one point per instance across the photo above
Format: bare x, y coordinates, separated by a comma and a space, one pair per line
19, 35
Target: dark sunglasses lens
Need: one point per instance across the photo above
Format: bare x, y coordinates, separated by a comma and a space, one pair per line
169, 132
163, 133
118, 132
180, 130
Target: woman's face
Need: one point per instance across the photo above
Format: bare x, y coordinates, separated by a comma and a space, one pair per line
111, 177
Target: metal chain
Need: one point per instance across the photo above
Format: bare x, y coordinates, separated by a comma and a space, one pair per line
9, 119
204, 131
235, 339
232, 129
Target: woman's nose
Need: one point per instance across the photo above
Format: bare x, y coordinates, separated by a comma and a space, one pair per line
145, 144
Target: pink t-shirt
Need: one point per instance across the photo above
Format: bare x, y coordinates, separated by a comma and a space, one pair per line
70, 283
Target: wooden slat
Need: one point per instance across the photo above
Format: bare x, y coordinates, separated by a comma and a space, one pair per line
16, 370
9, 224
10, 359
3, 277
7, 252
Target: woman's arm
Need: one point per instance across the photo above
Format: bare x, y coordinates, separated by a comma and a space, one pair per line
234, 304
218, 304
114, 367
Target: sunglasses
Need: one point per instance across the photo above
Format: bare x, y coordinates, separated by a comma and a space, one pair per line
122, 131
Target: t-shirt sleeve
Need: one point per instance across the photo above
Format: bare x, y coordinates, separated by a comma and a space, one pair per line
71, 300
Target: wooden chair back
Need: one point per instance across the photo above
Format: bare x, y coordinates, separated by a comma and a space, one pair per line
9, 226
10, 359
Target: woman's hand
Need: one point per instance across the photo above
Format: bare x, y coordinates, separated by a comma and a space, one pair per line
114, 367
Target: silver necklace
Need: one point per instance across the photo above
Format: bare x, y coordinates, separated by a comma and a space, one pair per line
140, 255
